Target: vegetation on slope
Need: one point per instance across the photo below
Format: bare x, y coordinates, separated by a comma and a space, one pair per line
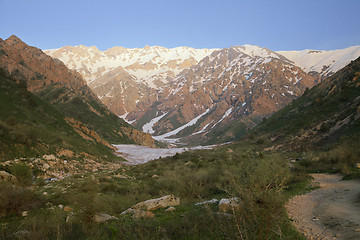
261, 180
324, 124
31, 127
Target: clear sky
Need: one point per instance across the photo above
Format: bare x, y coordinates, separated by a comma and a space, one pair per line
275, 24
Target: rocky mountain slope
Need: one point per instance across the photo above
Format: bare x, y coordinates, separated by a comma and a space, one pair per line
242, 83
204, 98
327, 114
66, 90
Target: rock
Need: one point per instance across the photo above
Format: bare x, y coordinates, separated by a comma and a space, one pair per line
45, 193
207, 202
358, 165
170, 209
227, 205
143, 214
130, 210
46, 166
153, 204
230, 150
155, 176
68, 209
103, 217
7, 176
49, 157
61, 206
24, 213
66, 153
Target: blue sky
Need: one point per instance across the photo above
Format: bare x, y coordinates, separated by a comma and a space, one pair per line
275, 24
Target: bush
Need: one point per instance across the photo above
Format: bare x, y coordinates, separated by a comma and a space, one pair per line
15, 199
23, 173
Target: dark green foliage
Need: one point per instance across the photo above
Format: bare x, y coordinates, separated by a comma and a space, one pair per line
31, 127
22, 172
15, 199
79, 107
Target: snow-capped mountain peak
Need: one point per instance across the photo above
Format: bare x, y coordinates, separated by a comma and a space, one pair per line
150, 65
323, 62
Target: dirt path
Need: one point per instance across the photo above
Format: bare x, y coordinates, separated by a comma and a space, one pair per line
330, 212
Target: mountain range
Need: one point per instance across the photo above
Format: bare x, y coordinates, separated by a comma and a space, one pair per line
206, 95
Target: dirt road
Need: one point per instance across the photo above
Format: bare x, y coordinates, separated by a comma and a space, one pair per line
330, 212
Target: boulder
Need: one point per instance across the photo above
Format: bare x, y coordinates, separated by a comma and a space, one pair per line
49, 157
46, 166
170, 209
68, 209
7, 176
103, 217
143, 215
153, 204
155, 176
128, 211
229, 204
24, 213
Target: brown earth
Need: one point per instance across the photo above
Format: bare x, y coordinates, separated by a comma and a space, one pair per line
330, 212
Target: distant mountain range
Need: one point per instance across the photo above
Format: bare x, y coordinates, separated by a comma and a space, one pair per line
200, 95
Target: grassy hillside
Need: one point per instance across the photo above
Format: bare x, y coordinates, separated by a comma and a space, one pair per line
323, 124
31, 127
88, 111
330, 109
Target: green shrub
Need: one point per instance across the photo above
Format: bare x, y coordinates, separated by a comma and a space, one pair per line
15, 199
22, 172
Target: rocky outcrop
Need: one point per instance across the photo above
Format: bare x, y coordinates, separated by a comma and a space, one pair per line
141, 138
39, 70
143, 209
86, 133
153, 204
103, 217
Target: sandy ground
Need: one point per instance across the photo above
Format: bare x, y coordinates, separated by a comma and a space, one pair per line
330, 212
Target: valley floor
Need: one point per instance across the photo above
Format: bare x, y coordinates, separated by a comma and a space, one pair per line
136, 154
330, 212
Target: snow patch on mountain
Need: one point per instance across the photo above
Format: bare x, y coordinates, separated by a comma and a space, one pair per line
226, 114
325, 62
176, 131
148, 127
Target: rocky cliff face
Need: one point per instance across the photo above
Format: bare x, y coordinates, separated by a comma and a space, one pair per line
26, 62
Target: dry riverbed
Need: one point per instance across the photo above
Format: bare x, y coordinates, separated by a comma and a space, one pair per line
330, 212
